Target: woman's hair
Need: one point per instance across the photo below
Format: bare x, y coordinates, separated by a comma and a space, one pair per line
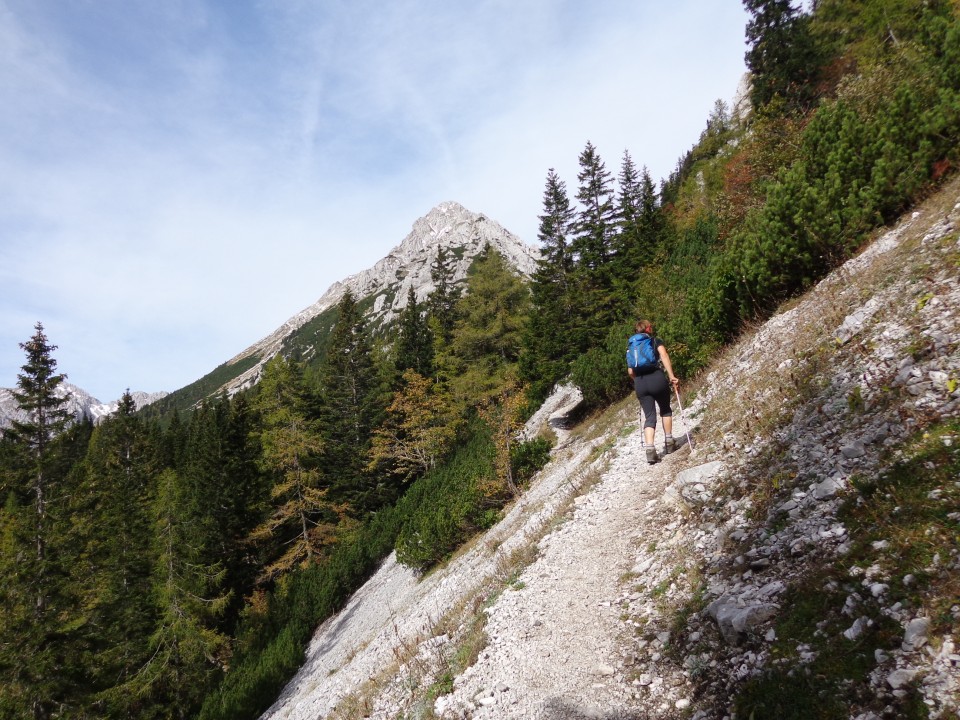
643, 325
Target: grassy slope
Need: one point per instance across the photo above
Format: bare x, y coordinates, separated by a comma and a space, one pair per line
900, 508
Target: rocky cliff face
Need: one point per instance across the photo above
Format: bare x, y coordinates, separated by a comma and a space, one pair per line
80, 404
450, 226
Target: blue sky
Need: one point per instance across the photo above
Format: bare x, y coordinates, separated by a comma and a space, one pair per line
179, 178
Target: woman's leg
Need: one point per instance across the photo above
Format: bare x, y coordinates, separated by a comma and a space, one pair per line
649, 407
659, 388
648, 435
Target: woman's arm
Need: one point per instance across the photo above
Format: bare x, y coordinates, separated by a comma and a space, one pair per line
665, 357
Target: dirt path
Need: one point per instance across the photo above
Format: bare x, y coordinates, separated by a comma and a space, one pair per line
553, 639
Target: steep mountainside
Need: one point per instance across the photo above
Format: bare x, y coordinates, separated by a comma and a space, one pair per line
799, 561
381, 290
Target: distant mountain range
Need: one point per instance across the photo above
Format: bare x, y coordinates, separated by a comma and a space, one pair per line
80, 404
381, 291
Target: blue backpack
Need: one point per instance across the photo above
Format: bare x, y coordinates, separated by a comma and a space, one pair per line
642, 353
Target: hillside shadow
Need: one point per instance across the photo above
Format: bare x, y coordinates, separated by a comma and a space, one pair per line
559, 709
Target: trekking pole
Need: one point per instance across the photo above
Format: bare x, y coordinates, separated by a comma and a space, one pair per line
686, 428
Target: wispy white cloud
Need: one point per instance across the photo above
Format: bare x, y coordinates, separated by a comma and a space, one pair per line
178, 178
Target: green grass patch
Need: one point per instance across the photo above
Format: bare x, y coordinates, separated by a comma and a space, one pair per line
914, 506
817, 672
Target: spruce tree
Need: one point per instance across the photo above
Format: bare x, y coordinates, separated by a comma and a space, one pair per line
231, 495
649, 226
113, 532
556, 225
172, 442
443, 300
414, 348
629, 206
628, 198
783, 57
640, 239
351, 408
595, 247
24, 688
244, 500
547, 344
31, 571
598, 220
184, 649
37, 395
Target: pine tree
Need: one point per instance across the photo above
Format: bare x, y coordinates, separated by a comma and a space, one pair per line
547, 344
351, 408
414, 349
34, 591
595, 247
783, 58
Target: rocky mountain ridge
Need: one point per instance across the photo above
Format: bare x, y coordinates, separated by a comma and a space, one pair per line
381, 290
449, 225
769, 571
80, 404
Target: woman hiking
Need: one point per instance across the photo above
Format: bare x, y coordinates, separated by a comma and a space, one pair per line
648, 364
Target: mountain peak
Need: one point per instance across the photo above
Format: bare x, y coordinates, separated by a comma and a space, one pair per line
449, 225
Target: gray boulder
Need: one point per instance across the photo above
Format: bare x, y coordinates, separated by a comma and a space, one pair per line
737, 618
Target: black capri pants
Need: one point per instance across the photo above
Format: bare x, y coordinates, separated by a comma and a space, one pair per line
653, 390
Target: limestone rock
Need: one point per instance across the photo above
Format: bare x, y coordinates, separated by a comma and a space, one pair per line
736, 617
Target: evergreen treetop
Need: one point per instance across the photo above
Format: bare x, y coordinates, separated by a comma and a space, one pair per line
37, 395
597, 220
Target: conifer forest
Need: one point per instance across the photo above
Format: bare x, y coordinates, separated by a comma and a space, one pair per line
175, 564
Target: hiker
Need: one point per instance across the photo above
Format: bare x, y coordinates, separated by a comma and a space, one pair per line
647, 359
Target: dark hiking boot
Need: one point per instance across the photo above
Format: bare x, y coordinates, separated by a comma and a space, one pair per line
669, 445
652, 454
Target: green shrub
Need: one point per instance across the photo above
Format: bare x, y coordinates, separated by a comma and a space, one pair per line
449, 504
601, 373
527, 457
864, 158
